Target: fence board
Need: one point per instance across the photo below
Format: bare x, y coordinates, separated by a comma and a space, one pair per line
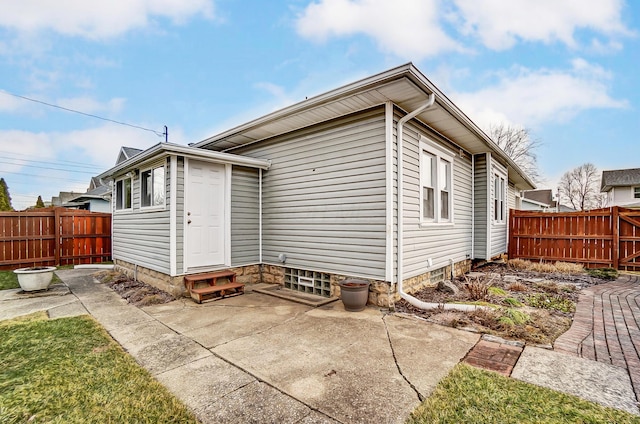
608, 237
57, 236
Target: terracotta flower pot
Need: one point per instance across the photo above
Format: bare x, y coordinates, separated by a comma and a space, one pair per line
35, 278
354, 294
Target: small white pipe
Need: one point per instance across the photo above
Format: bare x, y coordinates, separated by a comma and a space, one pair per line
406, 296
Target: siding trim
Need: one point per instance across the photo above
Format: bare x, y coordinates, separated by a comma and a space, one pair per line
173, 220
227, 215
388, 116
185, 237
489, 205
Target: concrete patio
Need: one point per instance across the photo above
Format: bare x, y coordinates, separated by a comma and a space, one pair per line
257, 358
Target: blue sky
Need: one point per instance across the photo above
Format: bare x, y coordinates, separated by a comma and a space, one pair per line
567, 70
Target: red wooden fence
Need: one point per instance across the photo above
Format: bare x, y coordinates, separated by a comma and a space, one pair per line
57, 236
608, 237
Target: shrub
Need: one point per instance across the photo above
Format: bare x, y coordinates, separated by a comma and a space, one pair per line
479, 288
497, 291
544, 267
604, 273
512, 302
553, 302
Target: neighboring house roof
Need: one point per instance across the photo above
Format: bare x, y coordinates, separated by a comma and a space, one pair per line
544, 196
405, 86
63, 197
620, 178
127, 153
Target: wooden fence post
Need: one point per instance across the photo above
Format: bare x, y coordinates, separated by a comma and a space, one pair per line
58, 238
615, 246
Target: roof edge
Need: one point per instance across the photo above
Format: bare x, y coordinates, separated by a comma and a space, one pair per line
170, 148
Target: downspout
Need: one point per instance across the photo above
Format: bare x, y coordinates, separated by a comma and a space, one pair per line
473, 207
260, 215
406, 296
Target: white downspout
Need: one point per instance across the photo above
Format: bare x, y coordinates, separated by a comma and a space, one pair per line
412, 300
473, 207
260, 214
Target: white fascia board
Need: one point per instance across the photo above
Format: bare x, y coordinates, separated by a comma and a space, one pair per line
166, 149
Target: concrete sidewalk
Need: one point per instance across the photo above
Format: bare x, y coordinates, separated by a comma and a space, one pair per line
259, 359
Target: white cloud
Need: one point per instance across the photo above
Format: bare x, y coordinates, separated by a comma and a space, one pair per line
530, 97
410, 31
500, 24
96, 148
96, 19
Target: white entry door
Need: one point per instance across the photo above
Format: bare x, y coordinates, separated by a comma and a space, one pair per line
205, 202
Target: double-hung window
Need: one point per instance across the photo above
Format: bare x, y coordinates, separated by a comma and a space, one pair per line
499, 198
636, 192
123, 194
152, 190
436, 183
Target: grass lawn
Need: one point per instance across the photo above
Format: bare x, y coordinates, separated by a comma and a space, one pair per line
470, 395
9, 280
70, 370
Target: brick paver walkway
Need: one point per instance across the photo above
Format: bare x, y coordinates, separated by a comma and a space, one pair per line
606, 327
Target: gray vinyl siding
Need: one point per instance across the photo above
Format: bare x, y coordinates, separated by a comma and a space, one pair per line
245, 219
498, 230
324, 196
438, 242
141, 237
481, 193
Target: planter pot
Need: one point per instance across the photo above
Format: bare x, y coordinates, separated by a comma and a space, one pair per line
35, 278
354, 294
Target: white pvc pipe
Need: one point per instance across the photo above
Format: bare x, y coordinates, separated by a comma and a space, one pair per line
406, 296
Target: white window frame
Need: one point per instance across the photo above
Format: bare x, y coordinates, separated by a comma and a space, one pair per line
635, 192
164, 187
121, 194
499, 198
439, 154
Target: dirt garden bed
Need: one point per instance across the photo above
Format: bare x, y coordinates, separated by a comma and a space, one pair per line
134, 292
521, 300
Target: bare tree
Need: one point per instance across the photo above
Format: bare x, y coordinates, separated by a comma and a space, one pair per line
519, 146
581, 187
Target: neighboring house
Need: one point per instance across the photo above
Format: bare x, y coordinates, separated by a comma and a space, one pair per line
622, 187
97, 199
63, 197
310, 194
541, 200
537, 200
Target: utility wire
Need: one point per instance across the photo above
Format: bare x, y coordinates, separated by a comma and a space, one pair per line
57, 162
47, 167
43, 176
164, 134
18, 161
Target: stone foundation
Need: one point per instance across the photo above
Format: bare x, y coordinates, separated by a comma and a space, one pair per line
172, 285
379, 291
414, 284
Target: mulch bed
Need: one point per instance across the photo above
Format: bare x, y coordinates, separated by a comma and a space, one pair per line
135, 292
528, 306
